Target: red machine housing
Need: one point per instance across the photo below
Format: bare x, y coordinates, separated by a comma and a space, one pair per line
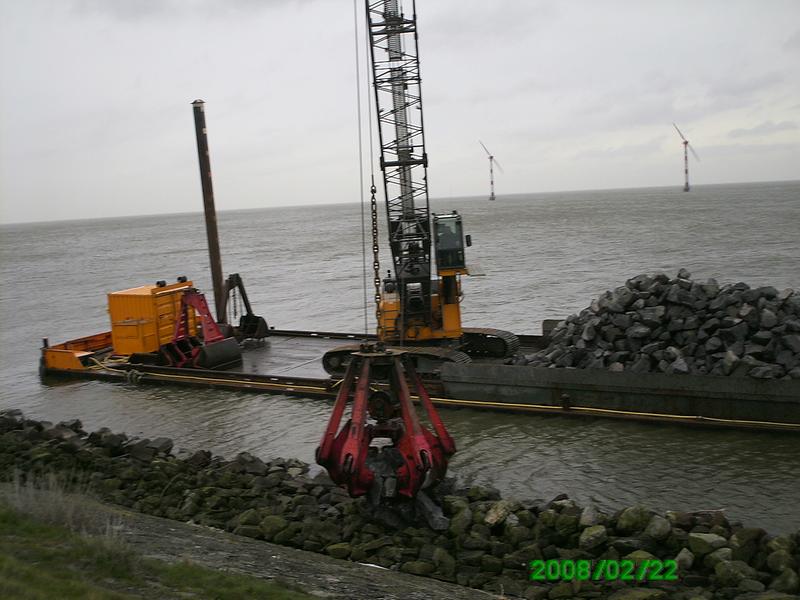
186, 350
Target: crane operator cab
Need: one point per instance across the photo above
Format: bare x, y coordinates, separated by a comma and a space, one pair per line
450, 241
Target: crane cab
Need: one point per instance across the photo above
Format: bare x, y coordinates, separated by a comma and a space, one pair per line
450, 242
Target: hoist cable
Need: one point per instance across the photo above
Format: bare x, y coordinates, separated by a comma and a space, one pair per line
376, 259
361, 182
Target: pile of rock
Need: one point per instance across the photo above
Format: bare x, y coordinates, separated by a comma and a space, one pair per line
658, 324
489, 544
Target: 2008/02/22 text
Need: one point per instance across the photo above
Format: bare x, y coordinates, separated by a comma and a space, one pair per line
605, 569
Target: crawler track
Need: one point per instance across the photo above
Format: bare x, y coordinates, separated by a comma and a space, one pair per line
427, 359
484, 341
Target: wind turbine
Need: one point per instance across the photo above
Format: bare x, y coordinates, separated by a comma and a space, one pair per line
686, 158
492, 162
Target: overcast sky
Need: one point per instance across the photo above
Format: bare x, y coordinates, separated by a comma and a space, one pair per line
96, 121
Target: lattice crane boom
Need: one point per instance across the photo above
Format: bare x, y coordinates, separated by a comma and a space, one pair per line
398, 99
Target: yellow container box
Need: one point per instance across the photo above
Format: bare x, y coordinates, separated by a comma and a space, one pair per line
143, 318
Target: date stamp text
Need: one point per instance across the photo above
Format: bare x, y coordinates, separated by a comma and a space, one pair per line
604, 569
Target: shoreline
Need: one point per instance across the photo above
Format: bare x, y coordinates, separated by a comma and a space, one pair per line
173, 542
488, 545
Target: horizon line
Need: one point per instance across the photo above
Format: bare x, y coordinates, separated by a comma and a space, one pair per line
436, 198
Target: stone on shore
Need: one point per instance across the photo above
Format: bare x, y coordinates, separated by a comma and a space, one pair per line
685, 559
658, 528
633, 519
489, 544
705, 543
341, 550
729, 573
592, 537
786, 582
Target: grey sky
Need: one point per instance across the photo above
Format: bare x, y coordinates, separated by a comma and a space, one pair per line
95, 115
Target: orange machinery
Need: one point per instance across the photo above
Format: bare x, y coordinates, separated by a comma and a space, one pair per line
144, 320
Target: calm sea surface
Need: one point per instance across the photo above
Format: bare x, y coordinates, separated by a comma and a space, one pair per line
544, 255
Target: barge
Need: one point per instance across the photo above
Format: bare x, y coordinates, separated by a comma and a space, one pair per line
289, 362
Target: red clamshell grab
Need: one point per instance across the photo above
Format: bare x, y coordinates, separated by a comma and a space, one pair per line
423, 454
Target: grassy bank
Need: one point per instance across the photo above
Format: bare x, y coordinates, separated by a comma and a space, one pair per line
43, 560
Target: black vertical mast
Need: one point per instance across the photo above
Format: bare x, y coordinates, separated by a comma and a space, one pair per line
208, 205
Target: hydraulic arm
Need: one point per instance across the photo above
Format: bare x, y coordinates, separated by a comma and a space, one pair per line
250, 326
186, 350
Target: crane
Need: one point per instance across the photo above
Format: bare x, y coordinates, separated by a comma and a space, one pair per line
412, 305
492, 163
415, 305
686, 158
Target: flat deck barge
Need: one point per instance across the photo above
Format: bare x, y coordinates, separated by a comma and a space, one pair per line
289, 362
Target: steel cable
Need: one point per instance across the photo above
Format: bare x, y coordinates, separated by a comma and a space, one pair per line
376, 267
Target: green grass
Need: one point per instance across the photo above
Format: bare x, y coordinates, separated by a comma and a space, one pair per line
45, 561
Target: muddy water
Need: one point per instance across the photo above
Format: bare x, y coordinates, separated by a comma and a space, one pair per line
544, 256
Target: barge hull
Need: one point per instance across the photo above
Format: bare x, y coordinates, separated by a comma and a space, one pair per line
289, 362
700, 398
